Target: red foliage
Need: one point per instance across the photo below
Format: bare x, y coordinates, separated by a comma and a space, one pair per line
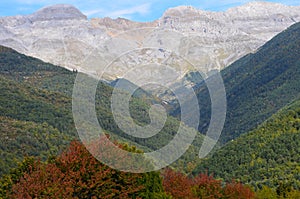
205, 186
179, 185
75, 174
42, 182
238, 190
176, 184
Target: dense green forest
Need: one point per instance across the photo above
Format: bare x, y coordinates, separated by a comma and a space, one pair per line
20, 139
257, 85
38, 92
266, 156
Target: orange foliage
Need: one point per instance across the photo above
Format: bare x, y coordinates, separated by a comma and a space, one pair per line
238, 190
181, 186
76, 174
206, 186
176, 184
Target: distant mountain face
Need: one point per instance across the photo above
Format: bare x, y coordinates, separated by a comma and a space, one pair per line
62, 35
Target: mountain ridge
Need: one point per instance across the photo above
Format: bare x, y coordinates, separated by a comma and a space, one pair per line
209, 40
57, 12
256, 85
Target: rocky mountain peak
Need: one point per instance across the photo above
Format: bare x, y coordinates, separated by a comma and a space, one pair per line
262, 4
259, 8
181, 11
62, 35
57, 12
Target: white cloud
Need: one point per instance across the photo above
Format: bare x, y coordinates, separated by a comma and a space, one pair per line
120, 12
141, 9
90, 13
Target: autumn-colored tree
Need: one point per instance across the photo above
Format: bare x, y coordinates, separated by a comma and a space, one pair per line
238, 190
266, 193
8, 180
77, 174
42, 182
177, 184
205, 186
269, 193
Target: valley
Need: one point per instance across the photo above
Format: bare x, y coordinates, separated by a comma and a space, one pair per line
50, 57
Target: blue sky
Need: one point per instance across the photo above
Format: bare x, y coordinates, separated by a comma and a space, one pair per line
138, 10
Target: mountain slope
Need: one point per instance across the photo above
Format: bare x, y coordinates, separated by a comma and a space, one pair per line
257, 85
21, 138
38, 92
268, 155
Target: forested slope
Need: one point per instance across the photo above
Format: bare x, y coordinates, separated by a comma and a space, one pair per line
268, 155
38, 92
257, 85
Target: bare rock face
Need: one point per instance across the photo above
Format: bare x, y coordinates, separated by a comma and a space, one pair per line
57, 12
184, 38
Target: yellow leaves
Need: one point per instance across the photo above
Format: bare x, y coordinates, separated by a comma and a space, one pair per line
266, 193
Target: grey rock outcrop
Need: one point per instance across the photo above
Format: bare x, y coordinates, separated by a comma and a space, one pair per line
184, 38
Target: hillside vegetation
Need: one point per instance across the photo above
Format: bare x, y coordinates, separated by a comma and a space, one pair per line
257, 85
38, 92
268, 155
20, 139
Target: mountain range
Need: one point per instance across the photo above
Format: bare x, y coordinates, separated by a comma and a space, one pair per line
63, 36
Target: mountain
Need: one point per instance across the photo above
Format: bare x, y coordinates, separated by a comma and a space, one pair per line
56, 13
36, 98
268, 155
256, 86
25, 97
62, 35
